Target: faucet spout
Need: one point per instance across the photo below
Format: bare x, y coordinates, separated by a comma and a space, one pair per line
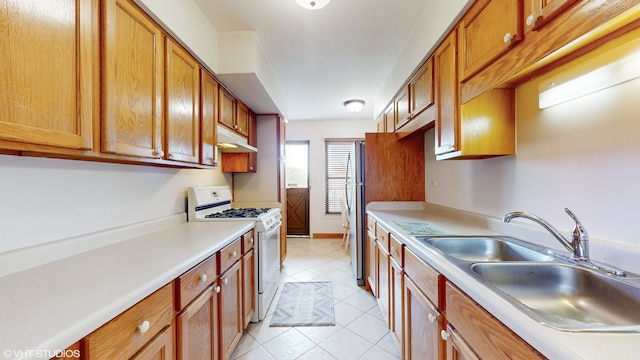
578, 247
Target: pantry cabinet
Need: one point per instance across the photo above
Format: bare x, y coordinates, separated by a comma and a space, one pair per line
49, 74
182, 88
133, 86
209, 119
487, 30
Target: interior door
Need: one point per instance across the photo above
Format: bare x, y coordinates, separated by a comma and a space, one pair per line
297, 175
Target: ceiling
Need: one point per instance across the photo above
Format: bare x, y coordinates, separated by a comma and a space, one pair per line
321, 58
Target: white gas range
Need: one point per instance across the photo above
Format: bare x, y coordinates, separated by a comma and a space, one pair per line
214, 203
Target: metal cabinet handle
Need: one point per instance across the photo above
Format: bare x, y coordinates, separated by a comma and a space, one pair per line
217, 289
531, 20
444, 335
234, 253
202, 278
507, 38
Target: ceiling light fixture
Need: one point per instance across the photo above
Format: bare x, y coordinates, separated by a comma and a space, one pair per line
313, 4
354, 105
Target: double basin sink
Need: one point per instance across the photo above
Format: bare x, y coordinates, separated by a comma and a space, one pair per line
554, 291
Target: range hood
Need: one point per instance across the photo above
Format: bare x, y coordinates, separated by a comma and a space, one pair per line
228, 141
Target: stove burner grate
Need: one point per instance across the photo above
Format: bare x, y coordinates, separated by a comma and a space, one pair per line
239, 213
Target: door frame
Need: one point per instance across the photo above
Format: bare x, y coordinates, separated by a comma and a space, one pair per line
308, 185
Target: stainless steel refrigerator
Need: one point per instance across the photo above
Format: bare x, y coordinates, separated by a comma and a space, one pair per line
354, 189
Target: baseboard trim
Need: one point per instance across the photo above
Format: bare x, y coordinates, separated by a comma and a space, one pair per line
326, 236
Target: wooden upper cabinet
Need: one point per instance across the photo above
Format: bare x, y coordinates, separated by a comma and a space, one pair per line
227, 111
380, 124
486, 31
132, 90
446, 95
49, 72
242, 119
421, 89
209, 119
245, 161
539, 12
390, 118
183, 104
402, 108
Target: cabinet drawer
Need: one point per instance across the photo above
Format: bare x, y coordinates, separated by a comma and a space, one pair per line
371, 225
127, 333
382, 236
396, 249
229, 255
194, 281
485, 334
247, 241
424, 276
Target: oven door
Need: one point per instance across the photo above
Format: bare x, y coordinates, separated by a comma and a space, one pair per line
268, 257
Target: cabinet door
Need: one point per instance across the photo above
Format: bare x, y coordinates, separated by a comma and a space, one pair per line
372, 263
242, 119
197, 327
457, 349
383, 282
253, 141
132, 96
446, 95
396, 303
422, 325
160, 347
183, 105
380, 124
249, 286
390, 118
488, 30
230, 310
540, 12
227, 111
209, 119
402, 108
421, 89
48, 76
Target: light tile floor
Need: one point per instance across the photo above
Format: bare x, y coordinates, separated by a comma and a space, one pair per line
359, 333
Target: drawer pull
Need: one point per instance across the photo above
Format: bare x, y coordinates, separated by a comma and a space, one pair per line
251, 240
234, 253
144, 327
203, 278
507, 38
444, 335
531, 20
432, 318
217, 289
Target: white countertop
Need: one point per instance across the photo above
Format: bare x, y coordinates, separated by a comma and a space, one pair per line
552, 343
51, 306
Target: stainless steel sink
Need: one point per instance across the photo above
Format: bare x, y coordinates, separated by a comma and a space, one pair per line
564, 296
483, 249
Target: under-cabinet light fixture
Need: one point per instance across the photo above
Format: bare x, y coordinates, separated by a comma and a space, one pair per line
354, 105
611, 68
313, 4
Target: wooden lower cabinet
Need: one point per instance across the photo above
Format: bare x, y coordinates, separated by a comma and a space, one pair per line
196, 327
485, 335
249, 284
383, 281
396, 302
230, 310
159, 348
457, 348
129, 332
422, 325
372, 263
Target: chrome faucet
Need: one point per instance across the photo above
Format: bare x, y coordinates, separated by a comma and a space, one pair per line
578, 247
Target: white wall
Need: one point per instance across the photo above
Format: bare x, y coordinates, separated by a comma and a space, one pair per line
584, 155
316, 132
44, 200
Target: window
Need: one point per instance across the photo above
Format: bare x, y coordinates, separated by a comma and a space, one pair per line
337, 154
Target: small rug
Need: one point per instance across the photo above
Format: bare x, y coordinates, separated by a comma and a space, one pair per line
305, 304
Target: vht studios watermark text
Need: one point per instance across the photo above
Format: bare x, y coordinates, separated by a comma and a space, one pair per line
39, 354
